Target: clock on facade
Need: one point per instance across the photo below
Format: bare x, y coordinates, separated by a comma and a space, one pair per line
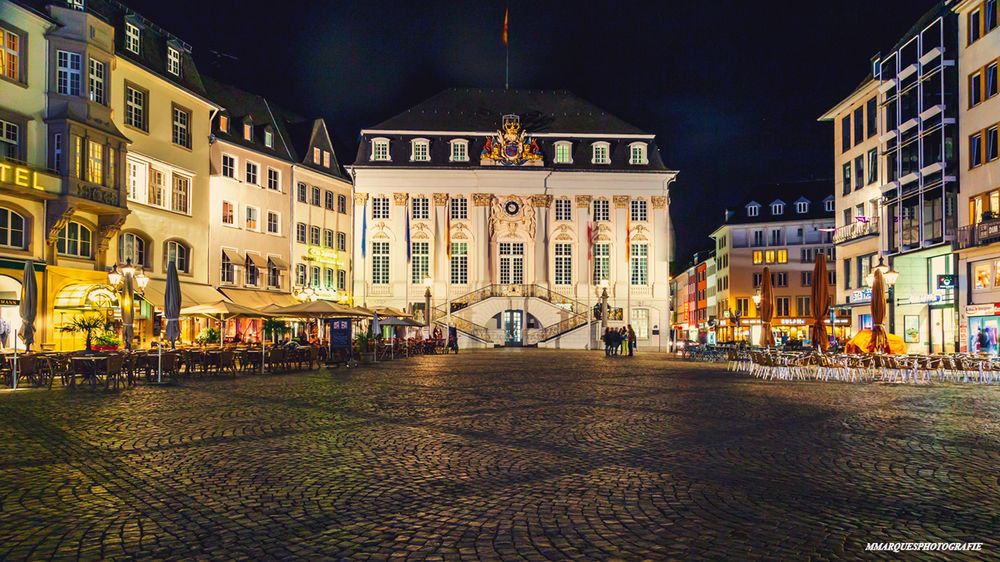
512, 207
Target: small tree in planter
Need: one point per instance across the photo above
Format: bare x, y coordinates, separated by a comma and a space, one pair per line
274, 329
86, 324
207, 336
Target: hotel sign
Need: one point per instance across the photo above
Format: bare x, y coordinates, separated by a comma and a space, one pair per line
26, 178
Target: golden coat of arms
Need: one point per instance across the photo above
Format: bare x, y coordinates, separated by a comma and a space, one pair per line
511, 146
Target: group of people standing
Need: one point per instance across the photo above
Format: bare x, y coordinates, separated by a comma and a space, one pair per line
619, 341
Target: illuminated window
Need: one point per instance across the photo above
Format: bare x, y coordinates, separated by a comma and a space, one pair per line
782, 256
74, 240
268, 138
769, 256
228, 213
380, 150
758, 257
224, 123
252, 216
95, 162
564, 152
10, 55
420, 150
637, 153
459, 150
247, 130
132, 35
173, 61
316, 155
326, 159
601, 153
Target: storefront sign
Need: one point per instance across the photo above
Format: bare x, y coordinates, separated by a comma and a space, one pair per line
988, 231
861, 295
10, 302
947, 282
22, 176
983, 309
323, 255
920, 299
340, 333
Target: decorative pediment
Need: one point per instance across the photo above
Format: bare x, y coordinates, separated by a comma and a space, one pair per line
564, 237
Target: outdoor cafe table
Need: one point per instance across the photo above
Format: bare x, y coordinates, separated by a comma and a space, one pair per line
85, 365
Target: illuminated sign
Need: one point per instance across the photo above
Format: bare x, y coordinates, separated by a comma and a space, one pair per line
947, 282
323, 255
862, 295
983, 310
22, 176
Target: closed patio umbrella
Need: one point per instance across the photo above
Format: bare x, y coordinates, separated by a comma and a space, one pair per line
127, 302
766, 309
880, 339
820, 304
172, 311
28, 309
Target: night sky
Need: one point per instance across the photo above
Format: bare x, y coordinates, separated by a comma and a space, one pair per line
732, 90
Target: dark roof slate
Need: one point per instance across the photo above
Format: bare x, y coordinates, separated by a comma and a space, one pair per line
816, 191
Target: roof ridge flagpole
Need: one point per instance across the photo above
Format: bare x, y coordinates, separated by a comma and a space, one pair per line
506, 46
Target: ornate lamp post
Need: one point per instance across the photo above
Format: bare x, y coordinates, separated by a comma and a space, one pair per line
126, 282
604, 304
890, 276
427, 301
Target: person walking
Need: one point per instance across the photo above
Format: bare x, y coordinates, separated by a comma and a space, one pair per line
631, 341
606, 338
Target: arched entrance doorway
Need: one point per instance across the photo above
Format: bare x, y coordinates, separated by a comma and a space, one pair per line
10, 312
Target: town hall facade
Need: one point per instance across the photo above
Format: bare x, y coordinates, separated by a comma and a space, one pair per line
508, 214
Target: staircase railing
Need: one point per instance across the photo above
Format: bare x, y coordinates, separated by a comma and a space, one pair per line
536, 336
477, 330
518, 290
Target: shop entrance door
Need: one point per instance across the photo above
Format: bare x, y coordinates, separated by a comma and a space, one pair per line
942, 330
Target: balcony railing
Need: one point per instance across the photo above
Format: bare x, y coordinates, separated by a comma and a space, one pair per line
856, 230
982, 234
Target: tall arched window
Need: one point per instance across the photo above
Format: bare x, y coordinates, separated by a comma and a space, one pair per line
179, 254
75, 241
132, 247
11, 229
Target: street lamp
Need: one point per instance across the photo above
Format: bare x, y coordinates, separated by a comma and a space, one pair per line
127, 281
889, 275
756, 299
604, 304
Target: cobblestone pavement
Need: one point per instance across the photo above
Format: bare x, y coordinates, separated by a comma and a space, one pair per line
505, 454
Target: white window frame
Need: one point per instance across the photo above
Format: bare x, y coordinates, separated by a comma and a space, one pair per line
602, 262
247, 211
180, 126
380, 208
569, 152
301, 233
231, 168
829, 205
420, 208
173, 61
315, 235
637, 154
341, 241
328, 238
459, 150
639, 210
133, 37
135, 107
801, 207
275, 174
563, 253
69, 77
380, 150
268, 138
596, 150
175, 194
420, 261
97, 81
639, 264
564, 209
753, 210
601, 210
458, 208
381, 254
458, 272
777, 208
253, 178
176, 247
277, 222
232, 216
422, 155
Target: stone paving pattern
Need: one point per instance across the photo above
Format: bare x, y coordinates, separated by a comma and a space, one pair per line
504, 454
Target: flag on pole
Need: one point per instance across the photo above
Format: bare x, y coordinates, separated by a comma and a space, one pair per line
506, 14
628, 235
364, 229
590, 240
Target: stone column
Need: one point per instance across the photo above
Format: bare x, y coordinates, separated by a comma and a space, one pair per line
619, 261
399, 270
541, 205
440, 266
584, 269
481, 256
659, 257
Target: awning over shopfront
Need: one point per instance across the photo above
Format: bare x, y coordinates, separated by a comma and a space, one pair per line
85, 296
192, 294
258, 299
258, 260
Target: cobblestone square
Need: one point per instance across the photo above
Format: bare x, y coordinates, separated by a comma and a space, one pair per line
506, 454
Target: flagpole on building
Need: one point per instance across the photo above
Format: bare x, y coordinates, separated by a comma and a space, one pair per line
447, 244
506, 47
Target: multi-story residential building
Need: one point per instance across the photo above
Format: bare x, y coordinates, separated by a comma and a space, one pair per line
322, 215
857, 190
711, 274
918, 86
782, 227
693, 301
250, 203
978, 240
516, 209
680, 322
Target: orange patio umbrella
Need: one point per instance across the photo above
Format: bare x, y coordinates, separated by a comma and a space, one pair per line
820, 304
880, 339
766, 309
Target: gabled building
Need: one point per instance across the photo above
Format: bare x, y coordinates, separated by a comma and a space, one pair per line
514, 210
782, 227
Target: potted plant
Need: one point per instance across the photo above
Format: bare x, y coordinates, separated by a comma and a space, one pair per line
207, 336
274, 329
86, 324
107, 341
990, 216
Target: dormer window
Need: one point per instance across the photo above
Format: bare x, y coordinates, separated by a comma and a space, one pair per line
753, 210
132, 36
223, 123
601, 153
420, 150
247, 129
828, 204
777, 208
269, 138
801, 206
173, 61
637, 154
317, 155
380, 150
564, 152
459, 150
326, 159
75, 4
